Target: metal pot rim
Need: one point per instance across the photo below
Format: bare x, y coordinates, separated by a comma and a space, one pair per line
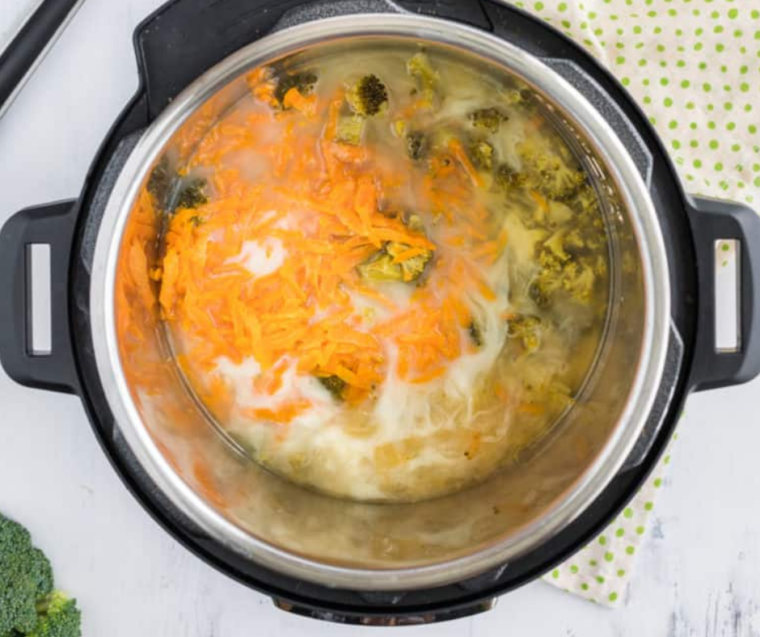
634, 194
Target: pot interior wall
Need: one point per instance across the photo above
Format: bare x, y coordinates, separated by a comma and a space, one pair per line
507, 508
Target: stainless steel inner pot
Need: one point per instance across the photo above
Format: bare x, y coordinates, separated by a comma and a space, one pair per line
383, 546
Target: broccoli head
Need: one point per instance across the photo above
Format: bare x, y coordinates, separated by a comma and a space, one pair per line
520, 98
487, 119
413, 267
192, 195
159, 180
527, 328
383, 267
334, 384
28, 604
422, 71
547, 172
302, 81
566, 265
481, 154
508, 178
380, 267
349, 129
26, 578
59, 617
368, 96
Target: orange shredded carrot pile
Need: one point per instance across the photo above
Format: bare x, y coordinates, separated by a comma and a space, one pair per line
316, 209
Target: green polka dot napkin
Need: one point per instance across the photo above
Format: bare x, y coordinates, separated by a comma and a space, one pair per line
694, 67
600, 571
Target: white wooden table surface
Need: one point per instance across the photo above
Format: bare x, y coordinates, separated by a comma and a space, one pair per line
698, 575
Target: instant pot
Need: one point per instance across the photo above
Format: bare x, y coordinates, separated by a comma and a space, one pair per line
381, 564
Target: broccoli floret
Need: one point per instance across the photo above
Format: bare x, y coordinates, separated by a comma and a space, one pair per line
413, 267
578, 281
566, 267
416, 145
422, 71
25, 578
547, 172
522, 98
481, 154
59, 617
381, 267
508, 178
334, 384
488, 119
368, 96
192, 195
159, 180
538, 293
303, 81
527, 328
574, 242
350, 129
476, 334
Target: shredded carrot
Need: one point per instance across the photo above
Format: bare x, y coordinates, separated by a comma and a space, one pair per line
282, 414
428, 376
531, 408
456, 148
540, 200
305, 104
408, 254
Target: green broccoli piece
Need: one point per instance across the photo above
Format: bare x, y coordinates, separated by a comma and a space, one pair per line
303, 81
412, 268
368, 96
527, 328
565, 267
416, 145
350, 129
488, 119
578, 280
422, 71
547, 172
159, 180
476, 334
538, 293
381, 267
59, 617
334, 384
521, 98
26, 578
192, 195
508, 178
481, 154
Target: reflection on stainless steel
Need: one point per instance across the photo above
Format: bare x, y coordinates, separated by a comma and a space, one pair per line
389, 546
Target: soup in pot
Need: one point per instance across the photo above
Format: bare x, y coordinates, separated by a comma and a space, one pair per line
383, 273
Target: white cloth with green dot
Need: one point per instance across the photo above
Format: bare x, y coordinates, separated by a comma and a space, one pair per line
694, 67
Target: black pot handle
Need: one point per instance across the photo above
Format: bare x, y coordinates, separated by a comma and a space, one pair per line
711, 221
53, 225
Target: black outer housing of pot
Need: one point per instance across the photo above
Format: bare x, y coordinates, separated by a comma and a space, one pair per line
177, 44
